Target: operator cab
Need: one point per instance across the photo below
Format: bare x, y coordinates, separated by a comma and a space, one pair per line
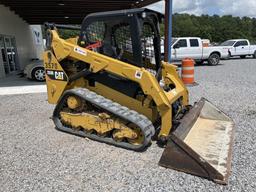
131, 36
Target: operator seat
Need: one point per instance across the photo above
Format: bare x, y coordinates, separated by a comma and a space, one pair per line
108, 50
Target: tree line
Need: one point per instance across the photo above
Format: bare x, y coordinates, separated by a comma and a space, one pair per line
216, 28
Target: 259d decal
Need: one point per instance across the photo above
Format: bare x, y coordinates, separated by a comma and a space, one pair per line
56, 75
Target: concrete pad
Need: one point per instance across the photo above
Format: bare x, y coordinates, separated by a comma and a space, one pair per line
17, 90
15, 85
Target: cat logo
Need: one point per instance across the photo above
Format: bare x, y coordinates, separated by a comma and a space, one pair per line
59, 75
56, 75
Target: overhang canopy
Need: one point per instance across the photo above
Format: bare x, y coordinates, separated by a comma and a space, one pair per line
67, 11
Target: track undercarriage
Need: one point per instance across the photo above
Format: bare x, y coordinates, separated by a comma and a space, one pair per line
84, 113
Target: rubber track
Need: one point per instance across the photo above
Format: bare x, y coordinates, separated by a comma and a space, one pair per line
120, 111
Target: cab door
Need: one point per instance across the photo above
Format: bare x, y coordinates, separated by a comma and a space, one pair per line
181, 49
242, 48
195, 49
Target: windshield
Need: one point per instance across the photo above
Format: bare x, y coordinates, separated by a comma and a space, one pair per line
227, 43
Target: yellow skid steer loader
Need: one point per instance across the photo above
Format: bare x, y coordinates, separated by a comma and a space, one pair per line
110, 85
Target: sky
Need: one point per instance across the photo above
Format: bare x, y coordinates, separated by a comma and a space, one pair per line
220, 7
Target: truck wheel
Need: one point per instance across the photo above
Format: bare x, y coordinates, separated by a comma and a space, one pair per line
243, 56
214, 59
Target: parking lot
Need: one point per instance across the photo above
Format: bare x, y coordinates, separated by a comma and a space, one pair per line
36, 157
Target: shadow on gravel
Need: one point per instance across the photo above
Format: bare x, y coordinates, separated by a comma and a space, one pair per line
201, 65
238, 58
206, 65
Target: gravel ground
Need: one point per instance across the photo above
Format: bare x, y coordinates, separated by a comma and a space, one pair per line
36, 157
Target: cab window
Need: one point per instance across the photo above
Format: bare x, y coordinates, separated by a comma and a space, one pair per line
194, 43
241, 43
181, 43
147, 44
244, 43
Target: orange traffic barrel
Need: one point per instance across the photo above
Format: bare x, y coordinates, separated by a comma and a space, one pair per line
188, 71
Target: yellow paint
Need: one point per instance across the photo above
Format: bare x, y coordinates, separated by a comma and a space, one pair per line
55, 88
73, 102
157, 101
102, 123
124, 100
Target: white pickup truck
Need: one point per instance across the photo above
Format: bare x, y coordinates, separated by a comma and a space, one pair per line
239, 47
192, 47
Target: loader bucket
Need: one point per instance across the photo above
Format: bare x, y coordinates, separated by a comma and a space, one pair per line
202, 143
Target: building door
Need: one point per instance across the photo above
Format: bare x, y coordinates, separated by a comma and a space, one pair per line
4, 55
9, 54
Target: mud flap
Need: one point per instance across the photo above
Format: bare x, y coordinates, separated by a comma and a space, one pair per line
202, 144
